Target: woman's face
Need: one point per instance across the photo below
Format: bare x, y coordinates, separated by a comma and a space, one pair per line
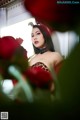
37, 38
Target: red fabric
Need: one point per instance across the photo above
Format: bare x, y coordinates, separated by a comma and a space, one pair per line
38, 76
41, 78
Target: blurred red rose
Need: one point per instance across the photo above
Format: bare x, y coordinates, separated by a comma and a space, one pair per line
7, 46
20, 40
12, 53
59, 16
39, 77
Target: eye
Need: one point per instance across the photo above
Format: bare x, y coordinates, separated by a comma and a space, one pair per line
38, 33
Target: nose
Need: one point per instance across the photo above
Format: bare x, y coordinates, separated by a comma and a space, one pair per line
35, 38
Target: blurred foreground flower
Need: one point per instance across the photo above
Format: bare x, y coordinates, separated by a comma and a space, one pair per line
59, 15
12, 54
7, 47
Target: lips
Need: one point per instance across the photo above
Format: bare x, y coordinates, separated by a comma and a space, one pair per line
36, 42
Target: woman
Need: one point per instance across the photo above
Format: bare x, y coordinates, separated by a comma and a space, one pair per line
45, 56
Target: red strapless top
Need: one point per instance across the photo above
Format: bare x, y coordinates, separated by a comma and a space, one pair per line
41, 65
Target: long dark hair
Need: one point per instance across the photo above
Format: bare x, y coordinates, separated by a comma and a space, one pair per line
47, 37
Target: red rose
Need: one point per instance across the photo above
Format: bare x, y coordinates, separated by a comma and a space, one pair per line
20, 40
39, 77
11, 53
7, 46
59, 16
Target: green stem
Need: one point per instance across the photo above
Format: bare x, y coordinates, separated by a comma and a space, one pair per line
24, 84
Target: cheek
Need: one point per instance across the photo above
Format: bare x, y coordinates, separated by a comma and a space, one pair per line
42, 39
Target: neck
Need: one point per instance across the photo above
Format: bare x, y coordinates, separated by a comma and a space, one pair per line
43, 50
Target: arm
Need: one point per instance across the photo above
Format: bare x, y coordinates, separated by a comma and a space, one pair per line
58, 58
58, 62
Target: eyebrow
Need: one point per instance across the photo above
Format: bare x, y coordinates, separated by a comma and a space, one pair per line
35, 32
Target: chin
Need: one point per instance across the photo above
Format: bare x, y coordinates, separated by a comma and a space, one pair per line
38, 46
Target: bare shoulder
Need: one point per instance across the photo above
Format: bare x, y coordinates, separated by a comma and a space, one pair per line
57, 56
54, 54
